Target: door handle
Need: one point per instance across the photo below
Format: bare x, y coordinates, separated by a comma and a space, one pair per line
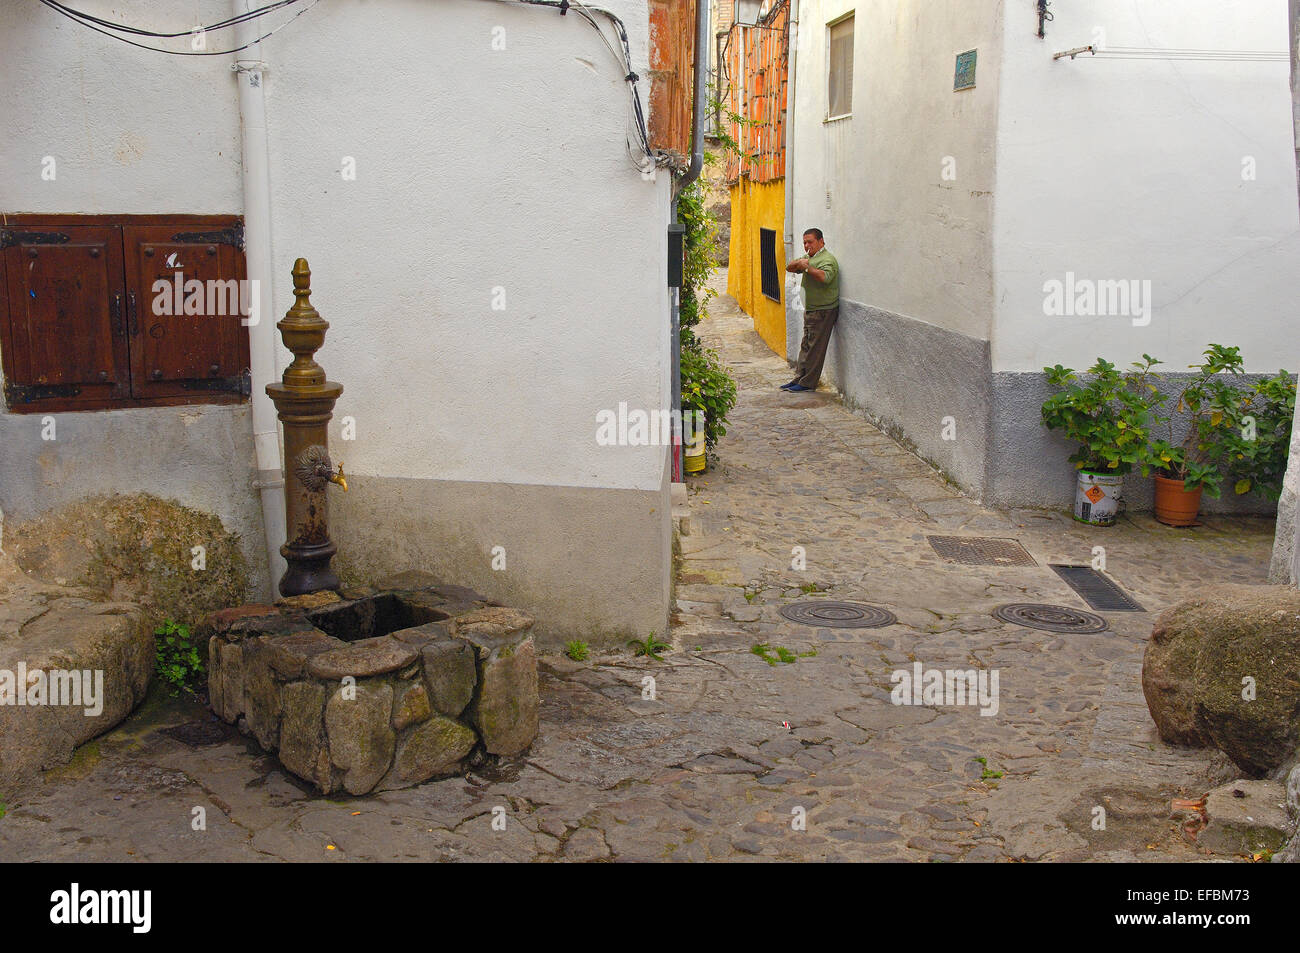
131, 316
115, 312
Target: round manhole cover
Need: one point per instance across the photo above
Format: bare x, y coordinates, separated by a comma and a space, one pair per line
838, 615
1050, 618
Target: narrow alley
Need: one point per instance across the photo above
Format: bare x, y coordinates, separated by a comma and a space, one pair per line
755, 737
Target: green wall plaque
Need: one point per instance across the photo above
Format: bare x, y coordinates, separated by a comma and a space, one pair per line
965, 77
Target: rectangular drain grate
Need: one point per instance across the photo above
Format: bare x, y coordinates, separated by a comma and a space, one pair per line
981, 550
1097, 590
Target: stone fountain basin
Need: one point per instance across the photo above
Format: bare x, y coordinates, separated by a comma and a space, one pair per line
376, 688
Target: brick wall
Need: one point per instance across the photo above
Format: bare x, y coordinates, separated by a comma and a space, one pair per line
724, 14
758, 57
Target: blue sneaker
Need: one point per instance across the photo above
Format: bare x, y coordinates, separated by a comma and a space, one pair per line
797, 389
789, 385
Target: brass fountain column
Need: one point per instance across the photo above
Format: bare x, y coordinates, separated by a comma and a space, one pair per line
305, 400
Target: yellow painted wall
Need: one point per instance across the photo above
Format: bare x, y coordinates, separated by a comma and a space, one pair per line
755, 206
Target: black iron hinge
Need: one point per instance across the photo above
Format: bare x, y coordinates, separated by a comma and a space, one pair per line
30, 393
12, 236
239, 384
233, 236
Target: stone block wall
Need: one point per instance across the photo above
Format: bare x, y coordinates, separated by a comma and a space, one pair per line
377, 688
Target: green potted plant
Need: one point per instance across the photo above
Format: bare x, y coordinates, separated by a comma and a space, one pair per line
708, 394
1109, 415
1186, 469
1256, 452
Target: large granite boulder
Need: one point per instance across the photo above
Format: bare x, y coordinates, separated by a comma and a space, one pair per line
1223, 668
80, 665
1169, 668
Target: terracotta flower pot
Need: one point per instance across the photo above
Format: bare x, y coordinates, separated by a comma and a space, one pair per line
1176, 506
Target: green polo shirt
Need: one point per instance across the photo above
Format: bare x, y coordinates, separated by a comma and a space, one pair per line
817, 295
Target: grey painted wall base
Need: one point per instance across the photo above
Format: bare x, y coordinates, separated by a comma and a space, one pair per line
201, 456
590, 564
1029, 465
909, 377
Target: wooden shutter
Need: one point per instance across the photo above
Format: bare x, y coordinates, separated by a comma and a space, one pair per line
173, 353
66, 335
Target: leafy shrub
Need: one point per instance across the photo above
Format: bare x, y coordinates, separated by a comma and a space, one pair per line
699, 259
706, 385
1233, 431
1109, 415
707, 388
1260, 464
577, 650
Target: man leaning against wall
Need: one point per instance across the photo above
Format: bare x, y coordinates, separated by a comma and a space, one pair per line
821, 291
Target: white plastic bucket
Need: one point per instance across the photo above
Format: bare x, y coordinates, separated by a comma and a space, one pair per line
1097, 498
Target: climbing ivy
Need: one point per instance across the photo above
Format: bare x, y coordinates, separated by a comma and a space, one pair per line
706, 384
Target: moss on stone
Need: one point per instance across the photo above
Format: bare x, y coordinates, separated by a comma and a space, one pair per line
138, 548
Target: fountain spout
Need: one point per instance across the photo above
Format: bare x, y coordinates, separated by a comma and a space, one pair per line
338, 478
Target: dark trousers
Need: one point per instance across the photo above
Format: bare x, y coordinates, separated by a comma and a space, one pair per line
817, 328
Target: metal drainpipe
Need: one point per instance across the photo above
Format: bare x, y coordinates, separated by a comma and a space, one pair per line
269, 481
692, 172
697, 102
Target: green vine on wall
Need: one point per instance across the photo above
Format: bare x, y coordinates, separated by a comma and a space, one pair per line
706, 384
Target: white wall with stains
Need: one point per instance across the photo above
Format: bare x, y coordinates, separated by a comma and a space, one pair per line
1175, 171
128, 130
494, 273
902, 188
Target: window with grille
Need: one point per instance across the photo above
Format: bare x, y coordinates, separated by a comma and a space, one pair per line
767, 257
840, 86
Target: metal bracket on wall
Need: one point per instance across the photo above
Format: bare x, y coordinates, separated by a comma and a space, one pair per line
12, 236
233, 236
1075, 52
1044, 17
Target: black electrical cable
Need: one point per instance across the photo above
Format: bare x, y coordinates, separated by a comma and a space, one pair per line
72, 15
123, 28
110, 29
620, 30
629, 76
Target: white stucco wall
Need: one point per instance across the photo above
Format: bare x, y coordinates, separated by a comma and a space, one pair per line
476, 169
1132, 169
909, 241
130, 131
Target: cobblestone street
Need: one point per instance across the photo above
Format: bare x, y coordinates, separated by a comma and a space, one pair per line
707, 770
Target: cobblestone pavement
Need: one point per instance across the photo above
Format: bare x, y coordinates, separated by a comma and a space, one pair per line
707, 770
